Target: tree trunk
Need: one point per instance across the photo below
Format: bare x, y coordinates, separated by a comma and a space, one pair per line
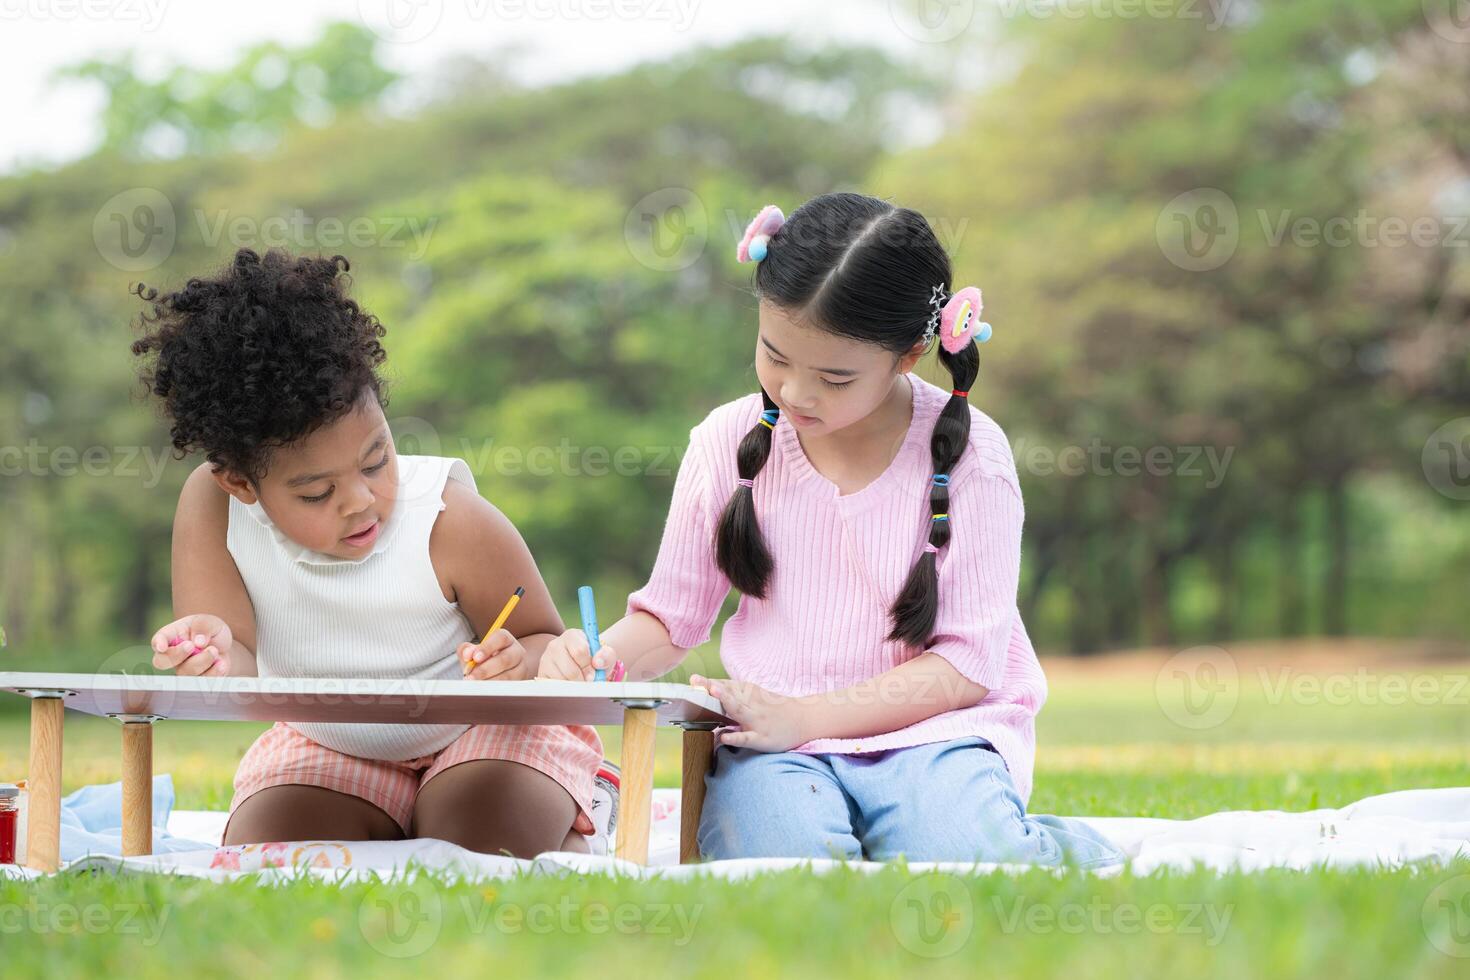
1043, 562
1076, 547
1289, 537
1225, 586
138, 595
1335, 574
1122, 600
1154, 582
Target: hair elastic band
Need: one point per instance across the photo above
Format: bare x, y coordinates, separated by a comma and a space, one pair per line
941, 479
930, 548
940, 517
960, 394
749, 484
768, 419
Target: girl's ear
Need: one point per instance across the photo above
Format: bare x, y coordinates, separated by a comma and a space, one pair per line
235, 485
906, 362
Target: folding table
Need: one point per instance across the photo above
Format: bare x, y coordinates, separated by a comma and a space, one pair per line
137, 701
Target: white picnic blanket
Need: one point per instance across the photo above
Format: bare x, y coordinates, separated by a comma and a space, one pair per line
1430, 826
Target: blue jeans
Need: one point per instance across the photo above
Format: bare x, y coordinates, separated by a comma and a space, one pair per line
946, 801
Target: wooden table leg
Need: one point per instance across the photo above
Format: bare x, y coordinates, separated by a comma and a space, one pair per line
699, 747
137, 788
636, 798
43, 836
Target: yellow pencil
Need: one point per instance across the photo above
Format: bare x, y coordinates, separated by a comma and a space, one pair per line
510, 605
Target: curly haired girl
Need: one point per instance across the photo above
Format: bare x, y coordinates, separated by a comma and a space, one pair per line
306, 546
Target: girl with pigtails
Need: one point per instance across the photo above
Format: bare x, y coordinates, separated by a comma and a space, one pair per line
882, 680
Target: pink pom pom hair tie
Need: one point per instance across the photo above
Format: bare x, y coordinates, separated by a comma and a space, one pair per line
960, 322
758, 234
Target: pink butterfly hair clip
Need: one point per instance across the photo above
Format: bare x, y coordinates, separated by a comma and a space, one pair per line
758, 234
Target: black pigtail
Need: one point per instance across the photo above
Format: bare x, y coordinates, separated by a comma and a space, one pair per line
917, 606
740, 548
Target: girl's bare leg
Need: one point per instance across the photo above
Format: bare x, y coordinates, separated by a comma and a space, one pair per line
300, 812
495, 806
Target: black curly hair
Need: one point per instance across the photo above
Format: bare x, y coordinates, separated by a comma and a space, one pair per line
263, 353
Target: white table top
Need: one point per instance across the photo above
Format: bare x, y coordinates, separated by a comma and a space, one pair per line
328, 699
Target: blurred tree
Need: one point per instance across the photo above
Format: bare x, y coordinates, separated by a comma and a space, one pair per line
249, 105
1126, 190
554, 267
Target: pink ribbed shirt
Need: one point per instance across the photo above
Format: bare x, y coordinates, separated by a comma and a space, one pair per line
841, 560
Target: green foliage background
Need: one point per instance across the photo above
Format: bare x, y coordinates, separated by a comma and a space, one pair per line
555, 269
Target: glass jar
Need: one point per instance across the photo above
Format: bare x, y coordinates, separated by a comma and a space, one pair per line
9, 822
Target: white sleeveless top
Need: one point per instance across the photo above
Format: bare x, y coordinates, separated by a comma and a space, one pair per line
382, 616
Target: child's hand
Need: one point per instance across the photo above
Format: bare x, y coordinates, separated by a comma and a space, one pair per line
769, 722
499, 658
195, 646
569, 658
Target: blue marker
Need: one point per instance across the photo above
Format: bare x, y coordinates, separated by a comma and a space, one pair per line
589, 625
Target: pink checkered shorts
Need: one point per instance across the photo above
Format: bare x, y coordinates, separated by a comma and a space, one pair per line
569, 754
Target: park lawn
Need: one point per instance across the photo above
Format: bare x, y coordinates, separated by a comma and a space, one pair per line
1108, 746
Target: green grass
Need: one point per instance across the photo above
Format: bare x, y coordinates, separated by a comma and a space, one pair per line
1346, 924
1109, 746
